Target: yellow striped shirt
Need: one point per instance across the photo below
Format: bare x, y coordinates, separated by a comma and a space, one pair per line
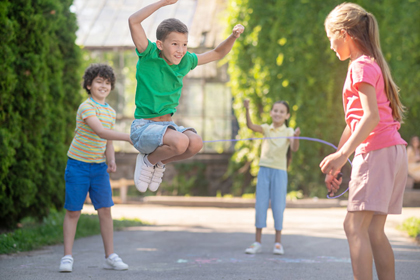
87, 146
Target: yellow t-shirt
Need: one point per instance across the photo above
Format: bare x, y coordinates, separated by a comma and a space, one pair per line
273, 152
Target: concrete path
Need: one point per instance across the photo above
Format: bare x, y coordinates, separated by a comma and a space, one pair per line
209, 243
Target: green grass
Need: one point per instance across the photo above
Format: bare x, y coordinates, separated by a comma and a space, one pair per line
33, 235
411, 226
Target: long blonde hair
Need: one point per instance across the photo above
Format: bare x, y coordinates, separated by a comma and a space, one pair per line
363, 28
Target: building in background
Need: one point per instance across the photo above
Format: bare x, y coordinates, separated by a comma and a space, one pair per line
206, 102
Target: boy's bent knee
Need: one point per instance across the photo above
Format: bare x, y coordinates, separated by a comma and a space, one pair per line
195, 145
181, 145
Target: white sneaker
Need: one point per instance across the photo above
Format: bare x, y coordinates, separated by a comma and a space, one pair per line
143, 174
278, 249
66, 264
157, 177
115, 262
254, 248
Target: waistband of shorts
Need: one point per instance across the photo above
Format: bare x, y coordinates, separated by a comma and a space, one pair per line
143, 122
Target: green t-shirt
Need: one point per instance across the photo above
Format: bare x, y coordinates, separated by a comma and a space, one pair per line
159, 84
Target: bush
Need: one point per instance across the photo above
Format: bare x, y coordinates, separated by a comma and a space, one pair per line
411, 226
39, 93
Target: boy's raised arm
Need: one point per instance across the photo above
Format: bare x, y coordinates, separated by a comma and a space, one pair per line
134, 21
223, 49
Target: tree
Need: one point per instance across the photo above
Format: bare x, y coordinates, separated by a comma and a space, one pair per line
39, 93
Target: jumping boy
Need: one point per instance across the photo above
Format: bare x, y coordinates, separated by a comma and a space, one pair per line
160, 70
91, 158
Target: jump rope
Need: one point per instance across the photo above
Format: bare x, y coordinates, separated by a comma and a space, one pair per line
291, 137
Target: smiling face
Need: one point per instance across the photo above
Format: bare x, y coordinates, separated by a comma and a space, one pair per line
173, 47
279, 114
100, 89
339, 44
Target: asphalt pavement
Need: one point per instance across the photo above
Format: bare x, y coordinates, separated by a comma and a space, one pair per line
209, 242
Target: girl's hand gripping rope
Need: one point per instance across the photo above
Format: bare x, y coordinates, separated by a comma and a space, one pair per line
331, 165
333, 183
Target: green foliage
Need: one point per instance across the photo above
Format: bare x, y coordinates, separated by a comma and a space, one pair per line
39, 87
284, 54
411, 226
189, 180
33, 234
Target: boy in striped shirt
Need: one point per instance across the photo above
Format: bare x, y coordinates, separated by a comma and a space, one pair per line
91, 158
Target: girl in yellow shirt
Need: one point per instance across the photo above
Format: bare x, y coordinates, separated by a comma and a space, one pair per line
272, 176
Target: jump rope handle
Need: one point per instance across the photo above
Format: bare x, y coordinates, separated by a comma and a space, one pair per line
339, 175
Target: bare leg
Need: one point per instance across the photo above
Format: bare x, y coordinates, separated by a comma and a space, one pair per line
356, 226
174, 144
381, 248
107, 229
278, 236
258, 234
194, 146
69, 230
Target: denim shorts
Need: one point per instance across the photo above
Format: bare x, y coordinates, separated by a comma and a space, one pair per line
83, 177
147, 135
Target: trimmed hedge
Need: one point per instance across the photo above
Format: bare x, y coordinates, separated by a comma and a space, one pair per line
39, 93
284, 54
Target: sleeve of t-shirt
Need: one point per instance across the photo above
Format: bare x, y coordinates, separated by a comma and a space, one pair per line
265, 128
86, 110
364, 72
149, 48
191, 59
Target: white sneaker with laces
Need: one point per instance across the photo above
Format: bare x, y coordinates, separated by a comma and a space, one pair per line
115, 262
157, 177
254, 248
66, 264
278, 249
143, 174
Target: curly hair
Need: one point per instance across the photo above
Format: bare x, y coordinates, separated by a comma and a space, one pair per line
94, 70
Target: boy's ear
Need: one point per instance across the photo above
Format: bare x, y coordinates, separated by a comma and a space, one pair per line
159, 44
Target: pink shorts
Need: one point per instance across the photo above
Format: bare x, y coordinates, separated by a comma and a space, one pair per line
378, 181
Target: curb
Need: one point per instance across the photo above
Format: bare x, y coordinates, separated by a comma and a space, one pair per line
236, 202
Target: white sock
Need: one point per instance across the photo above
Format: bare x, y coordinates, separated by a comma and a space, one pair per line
147, 162
110, 256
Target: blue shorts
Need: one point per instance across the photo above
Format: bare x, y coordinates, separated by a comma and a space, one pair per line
271, 186
83, 177
147, 135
